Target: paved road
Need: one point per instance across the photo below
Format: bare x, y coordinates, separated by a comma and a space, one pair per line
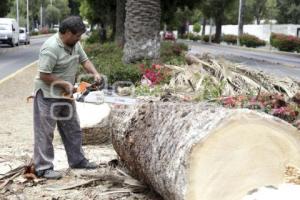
270, 62
13, 59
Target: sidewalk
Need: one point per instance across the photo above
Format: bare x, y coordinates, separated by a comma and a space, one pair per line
16, 146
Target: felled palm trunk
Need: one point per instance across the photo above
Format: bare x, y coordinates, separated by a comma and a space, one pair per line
201, 151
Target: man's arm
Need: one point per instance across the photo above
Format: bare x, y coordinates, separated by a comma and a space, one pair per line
50, 79
90, 68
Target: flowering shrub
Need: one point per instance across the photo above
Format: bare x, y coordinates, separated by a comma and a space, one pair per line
44, 30
285, 42
273, 104
153, 74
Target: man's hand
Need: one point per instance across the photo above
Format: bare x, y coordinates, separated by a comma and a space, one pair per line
68, 88
297, 124
98, 78
90, 68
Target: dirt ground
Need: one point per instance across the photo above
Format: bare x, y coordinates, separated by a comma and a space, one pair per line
16, 132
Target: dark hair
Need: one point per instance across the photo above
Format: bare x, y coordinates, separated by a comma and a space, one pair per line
73, 24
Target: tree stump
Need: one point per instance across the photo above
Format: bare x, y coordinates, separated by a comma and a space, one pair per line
94, 122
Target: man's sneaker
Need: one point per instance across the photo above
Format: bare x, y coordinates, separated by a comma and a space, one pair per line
49, 174
85, 164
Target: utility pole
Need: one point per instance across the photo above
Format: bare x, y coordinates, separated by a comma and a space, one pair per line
17, 3
41, 15
240, 21
210, 29
27, 16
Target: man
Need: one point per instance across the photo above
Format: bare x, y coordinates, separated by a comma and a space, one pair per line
59, 58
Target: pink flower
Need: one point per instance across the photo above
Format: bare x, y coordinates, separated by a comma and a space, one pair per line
158, 67
278, 111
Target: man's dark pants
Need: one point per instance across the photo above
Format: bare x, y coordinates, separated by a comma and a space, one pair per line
47, 113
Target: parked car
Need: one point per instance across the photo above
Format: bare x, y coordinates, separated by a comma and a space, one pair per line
9, 31
56, 27
168, 35
24, 36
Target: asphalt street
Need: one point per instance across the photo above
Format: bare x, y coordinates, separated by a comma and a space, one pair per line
13, 59
281, 64
278, 63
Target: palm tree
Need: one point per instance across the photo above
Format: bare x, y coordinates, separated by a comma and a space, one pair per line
142, 26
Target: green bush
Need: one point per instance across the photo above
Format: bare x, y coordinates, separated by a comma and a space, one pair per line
205, 38
285, 42
184, 36
33, 33
107, 58
197, 28
93, 38
230, 39
173, 53
251, 41
52, 31
194, 37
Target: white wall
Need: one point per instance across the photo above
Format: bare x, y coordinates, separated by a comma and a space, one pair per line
261, 31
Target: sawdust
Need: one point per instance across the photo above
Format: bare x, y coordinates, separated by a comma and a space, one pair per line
16, 145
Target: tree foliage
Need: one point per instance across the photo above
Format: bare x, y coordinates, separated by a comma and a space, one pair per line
289, 11
74, 7
4, 7
53, 14
216, 9
98, 11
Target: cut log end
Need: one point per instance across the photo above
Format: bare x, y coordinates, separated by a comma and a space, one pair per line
244, 154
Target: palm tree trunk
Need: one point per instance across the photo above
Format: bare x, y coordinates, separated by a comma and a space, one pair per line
120, 21
142, 25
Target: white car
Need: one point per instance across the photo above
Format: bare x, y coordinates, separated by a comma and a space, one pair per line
9, 31
24, 36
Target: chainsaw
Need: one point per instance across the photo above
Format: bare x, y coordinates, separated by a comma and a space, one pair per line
96, 93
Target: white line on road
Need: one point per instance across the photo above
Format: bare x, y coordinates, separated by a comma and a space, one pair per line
18, 71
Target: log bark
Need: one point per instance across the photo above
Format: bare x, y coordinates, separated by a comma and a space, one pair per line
94, 122
200, 151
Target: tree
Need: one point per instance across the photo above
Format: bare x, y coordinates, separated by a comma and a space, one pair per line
258, 8
142, 26
289, 11
63, 7
22, 12
74, 7
197, 27
53, 15
100, 12
4, 7
215, 9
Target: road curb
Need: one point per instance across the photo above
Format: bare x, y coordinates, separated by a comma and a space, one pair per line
41, 36
17, 72
245, 48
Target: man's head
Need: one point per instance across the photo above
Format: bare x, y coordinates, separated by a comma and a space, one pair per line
71, 30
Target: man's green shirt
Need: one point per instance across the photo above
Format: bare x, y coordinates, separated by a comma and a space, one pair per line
61, 61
